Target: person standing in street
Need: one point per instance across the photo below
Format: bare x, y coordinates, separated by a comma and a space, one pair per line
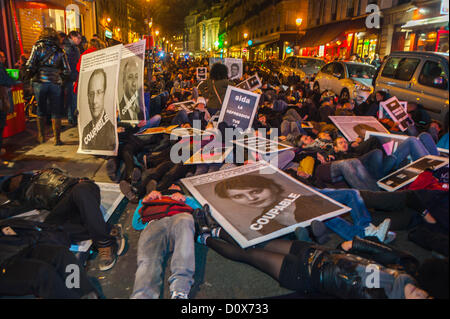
73, 56
46, 67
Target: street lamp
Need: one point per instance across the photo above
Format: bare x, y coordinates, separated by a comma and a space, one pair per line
298, 22
108, 19
157, 32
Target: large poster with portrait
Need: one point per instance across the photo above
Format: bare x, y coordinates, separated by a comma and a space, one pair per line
97, 96
130, 89
258, 202
353, 127
235, 68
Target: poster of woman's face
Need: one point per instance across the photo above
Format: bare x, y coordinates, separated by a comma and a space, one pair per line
255, 205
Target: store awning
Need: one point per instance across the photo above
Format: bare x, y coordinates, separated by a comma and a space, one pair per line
326, 33
426, 22
39, 4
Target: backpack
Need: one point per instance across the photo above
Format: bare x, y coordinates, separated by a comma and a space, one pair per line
160, 208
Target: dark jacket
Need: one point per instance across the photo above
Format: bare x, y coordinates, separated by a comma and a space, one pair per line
207, 90
28, 234
73, 56
5, 97
40, 190
48, 63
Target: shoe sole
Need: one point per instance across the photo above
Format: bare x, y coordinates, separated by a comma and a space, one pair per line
125, 188
107, 267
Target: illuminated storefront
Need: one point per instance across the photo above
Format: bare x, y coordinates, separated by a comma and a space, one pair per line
27, 19
424, 28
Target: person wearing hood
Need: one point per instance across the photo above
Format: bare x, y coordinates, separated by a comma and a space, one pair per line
47, 67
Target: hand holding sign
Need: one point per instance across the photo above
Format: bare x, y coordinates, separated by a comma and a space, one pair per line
397, 113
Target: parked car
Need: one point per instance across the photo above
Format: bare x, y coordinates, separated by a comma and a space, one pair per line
300, 66
269, 68
348, 80
420, 77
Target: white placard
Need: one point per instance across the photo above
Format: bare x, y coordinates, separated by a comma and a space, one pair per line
97, 98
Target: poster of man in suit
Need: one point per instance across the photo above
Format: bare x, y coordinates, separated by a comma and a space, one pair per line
97, 125
130, 91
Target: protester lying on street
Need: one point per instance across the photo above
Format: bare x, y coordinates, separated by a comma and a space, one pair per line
363, 172
39, 269
73, 203
307, 268
165, 218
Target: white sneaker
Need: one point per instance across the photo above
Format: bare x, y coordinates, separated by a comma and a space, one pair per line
383, 229
179, 295
370, 230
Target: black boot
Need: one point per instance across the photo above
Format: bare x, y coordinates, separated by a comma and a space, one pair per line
384, 254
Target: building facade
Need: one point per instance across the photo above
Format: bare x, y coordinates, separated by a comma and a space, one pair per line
22, 22
201, 34
416, 26
261, 29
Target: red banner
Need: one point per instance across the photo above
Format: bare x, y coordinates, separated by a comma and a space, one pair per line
15, 122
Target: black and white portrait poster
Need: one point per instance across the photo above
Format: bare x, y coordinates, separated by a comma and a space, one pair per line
97, 96
258, 202
202, 74
251, 84
239, 108
408, 174
262, 145
397, 113
131, 105
353, 127
235, 68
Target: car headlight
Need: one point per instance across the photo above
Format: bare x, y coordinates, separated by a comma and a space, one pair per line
362, 87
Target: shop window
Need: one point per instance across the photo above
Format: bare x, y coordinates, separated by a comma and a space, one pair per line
406, 69
433, 75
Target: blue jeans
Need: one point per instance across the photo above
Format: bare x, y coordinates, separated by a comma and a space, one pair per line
70, 100
415, 147
354, 173
48, 97
360, 215
172, 234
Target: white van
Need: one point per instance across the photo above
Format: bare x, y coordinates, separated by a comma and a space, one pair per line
420, 77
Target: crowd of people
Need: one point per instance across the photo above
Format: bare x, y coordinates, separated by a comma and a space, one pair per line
171, 221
